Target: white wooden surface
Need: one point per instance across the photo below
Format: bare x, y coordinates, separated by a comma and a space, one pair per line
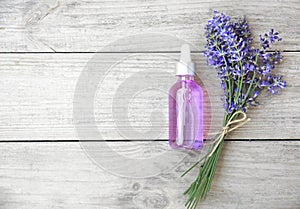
89, 25
60, 175
42, 163
37, 92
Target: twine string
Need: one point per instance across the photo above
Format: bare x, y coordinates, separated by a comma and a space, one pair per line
227, 129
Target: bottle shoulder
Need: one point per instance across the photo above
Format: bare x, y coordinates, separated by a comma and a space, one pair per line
186, 84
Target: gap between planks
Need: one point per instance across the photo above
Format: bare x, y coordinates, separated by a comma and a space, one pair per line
159, 140
125, 52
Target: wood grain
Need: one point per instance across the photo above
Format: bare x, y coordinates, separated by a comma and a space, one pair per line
41, 98
38, 90
60, 175
90, 25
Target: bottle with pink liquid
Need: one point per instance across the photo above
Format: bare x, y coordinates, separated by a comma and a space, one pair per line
186, 106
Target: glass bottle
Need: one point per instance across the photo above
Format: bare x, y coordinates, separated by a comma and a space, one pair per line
186, 106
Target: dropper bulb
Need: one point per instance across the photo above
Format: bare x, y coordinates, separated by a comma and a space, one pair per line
185, 66
185, 55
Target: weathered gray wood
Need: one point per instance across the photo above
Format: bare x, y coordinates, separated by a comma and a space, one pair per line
60, 175
36, 103
85, 26
37, 91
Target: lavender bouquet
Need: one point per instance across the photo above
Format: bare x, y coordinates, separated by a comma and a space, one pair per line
245, 72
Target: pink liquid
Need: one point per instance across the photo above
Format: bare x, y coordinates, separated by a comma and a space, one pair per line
186, 114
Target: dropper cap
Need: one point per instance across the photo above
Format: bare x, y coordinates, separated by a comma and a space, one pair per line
185, 66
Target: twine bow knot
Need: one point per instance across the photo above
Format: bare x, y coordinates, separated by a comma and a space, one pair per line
226, 129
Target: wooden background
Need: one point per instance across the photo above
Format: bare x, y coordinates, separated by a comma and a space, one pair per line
46, 45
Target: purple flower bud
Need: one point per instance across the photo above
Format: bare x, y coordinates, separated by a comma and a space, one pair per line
229, 50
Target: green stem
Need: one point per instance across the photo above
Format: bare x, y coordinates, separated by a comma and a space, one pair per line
201, 186
250, 89
218, 152
240, 86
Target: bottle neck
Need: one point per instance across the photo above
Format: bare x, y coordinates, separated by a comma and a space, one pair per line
185, 77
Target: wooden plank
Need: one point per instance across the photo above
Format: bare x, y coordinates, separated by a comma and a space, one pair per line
37, 92
60, 175
90, 25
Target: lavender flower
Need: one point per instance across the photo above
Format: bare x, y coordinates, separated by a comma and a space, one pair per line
244, 71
